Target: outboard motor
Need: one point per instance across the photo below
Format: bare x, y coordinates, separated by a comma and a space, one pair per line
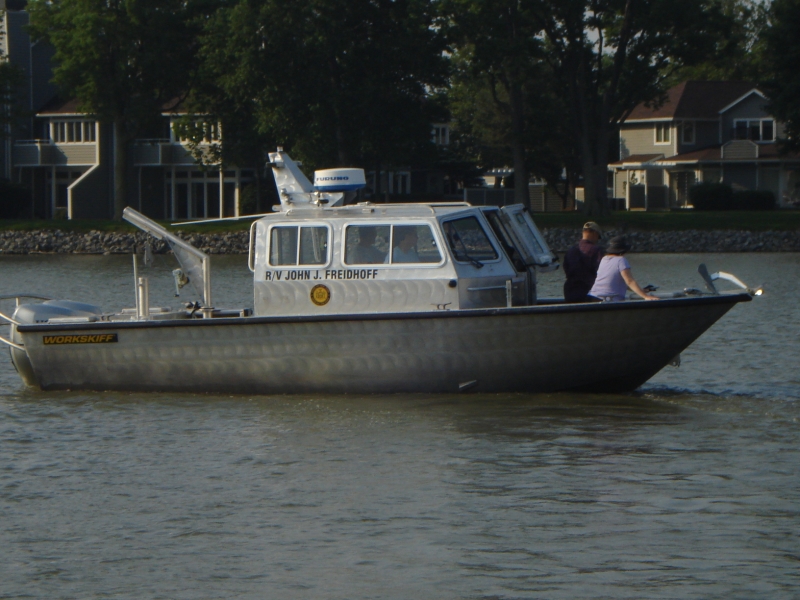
51, 311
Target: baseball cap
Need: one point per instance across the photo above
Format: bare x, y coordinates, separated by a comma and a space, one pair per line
594, 227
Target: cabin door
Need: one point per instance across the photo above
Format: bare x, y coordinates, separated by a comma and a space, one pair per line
527, 238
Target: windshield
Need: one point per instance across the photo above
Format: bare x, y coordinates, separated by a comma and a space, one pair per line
468, 241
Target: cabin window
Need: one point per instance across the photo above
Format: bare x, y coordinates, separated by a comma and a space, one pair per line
500, 232
390, 244
292, 245
414, 244
367, 244
468, 241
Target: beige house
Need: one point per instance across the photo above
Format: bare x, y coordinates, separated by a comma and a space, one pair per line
706, 131
68, 167
64, 157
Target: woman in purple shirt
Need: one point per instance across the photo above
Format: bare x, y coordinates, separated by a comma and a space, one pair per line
614, 275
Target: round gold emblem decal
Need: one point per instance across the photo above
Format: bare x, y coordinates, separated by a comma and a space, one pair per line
320, 295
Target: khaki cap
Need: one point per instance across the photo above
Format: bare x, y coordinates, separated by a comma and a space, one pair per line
591, 225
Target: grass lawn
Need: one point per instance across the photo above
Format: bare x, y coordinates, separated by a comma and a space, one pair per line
778, 220
768, 220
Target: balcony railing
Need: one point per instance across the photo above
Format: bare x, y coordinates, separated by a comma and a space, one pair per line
44, 152
157, 152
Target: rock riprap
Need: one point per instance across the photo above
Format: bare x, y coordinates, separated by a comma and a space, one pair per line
236, 242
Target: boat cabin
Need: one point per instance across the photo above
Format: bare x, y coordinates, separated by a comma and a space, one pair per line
316, 255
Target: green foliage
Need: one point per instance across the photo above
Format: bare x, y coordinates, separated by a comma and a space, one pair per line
483, 117
117, 57
457, 163
121, 59
608, 57
333, 81
782, 80
753, 200
11, 80
14, 199
498, 62
711, 196
720, 196
248, 200
555, 77
739, 51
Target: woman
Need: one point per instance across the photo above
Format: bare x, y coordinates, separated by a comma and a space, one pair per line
614, 275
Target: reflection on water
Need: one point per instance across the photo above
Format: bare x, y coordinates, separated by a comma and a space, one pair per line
686, 488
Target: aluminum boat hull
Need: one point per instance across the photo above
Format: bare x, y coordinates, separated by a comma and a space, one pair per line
591, 347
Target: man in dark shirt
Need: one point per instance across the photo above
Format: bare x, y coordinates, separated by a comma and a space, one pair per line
581, 262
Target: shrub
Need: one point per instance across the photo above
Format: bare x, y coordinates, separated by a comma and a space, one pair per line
14, 200
754, 200
711, 196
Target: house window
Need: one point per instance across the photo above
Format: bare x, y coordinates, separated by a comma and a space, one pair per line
767, 130
756, 130
441, 134
662, 133
211, 132
400, 182
72, 132
687, 132
638, 177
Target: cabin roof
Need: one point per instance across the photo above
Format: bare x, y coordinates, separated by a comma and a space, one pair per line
373, 211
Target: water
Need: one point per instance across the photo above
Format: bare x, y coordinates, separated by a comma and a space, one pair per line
687, 488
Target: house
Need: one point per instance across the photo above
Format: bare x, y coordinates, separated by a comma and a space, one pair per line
706, 131
68, 168
64, 157
33, 60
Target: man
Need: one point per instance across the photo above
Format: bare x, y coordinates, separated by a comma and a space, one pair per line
581, 262
366, 252
405, 251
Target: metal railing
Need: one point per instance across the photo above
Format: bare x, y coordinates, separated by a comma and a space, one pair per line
36, 142
12, 321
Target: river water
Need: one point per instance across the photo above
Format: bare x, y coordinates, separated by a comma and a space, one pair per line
687, 488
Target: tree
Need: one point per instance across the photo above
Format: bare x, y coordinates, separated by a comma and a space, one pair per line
738, 53
11, 78
121, 59
782, 81
498, 59
607, 56
334, 81
482, 119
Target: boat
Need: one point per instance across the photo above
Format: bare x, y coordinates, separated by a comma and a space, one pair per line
357, 297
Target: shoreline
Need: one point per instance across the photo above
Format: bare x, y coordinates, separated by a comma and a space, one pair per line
236, 242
